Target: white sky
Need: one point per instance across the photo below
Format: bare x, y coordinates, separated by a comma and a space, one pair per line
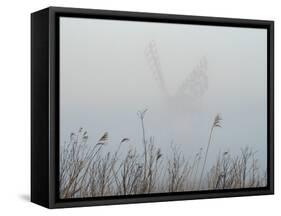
105, 79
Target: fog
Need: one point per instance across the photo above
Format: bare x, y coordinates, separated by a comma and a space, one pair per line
106, 78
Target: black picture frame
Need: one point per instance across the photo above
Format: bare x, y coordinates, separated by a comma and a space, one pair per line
45, 106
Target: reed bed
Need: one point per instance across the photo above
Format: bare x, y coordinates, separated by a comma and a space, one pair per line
89, 170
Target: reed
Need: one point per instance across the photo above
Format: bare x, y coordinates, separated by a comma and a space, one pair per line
216, 123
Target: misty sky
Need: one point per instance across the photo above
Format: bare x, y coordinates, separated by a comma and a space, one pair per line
105, 79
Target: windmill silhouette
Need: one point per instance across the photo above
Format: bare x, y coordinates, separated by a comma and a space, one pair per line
193, 86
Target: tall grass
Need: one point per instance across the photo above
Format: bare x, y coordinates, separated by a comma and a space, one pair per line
216, 123
89, 170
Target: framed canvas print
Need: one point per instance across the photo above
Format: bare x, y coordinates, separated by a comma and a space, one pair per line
138, 107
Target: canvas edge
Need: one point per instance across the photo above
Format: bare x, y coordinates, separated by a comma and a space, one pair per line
39, 108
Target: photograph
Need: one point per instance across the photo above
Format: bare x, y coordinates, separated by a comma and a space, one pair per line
155, 108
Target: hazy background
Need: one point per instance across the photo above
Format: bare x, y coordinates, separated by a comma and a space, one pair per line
105, 79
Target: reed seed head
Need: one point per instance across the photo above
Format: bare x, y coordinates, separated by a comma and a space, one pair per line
103, 139
217, 121
124, 140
